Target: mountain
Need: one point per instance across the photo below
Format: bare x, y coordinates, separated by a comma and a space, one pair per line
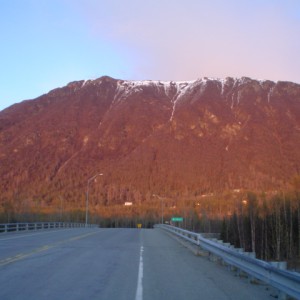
149, 137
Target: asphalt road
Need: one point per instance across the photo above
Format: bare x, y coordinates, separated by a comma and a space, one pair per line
140, 264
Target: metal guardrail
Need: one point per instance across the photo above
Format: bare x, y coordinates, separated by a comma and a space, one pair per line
10, 227
287, 282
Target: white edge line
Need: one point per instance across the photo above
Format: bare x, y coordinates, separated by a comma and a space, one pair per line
139, 289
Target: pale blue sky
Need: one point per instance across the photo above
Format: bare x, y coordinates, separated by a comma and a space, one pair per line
47, 43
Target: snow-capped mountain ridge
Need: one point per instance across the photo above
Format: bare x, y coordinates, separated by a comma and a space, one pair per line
173, 89
168, 137
229, 90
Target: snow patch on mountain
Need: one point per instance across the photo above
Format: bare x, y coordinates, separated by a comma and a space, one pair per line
230, 89
170, 89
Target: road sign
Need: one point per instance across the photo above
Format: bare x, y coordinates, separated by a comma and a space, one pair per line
177, 219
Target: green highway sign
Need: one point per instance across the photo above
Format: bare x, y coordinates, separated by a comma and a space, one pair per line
177, 219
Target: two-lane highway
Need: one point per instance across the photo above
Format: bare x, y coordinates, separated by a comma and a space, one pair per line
111, 264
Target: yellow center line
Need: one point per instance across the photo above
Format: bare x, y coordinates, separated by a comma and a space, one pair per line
21, 256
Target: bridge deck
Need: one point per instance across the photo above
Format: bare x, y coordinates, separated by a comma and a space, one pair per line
87, 263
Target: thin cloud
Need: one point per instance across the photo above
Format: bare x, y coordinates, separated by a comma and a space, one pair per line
188, 39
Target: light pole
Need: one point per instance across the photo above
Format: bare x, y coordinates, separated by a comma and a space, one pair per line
87, 197
162, 207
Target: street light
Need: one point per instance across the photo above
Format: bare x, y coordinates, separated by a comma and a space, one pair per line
87, 197
162, 207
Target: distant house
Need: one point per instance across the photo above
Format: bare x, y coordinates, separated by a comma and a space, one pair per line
128, 203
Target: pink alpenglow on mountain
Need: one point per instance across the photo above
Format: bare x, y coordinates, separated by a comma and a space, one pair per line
150, 137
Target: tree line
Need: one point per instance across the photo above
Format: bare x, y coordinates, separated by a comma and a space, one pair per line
267, 223
268, 226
